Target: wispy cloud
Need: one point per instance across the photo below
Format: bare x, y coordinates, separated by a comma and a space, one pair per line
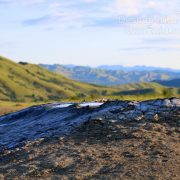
39, 20
101, 26
104, 13
21, 2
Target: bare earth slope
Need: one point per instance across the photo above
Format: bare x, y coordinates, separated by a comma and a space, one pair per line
117, 140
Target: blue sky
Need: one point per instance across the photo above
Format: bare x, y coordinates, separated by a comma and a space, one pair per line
91, 32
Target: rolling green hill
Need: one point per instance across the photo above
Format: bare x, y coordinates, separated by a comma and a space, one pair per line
23, 82
28, 82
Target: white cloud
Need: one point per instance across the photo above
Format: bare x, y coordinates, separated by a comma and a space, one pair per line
92, 12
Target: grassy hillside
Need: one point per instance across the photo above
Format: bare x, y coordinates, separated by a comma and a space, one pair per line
110, 77
28, 82
23, 82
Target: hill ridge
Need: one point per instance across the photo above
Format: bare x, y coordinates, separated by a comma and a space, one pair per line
24, 82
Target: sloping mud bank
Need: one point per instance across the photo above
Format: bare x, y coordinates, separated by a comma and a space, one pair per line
114, 140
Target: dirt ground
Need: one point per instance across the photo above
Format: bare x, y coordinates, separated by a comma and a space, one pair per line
100, 150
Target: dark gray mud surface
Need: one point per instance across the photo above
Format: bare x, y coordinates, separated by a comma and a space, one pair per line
117, 140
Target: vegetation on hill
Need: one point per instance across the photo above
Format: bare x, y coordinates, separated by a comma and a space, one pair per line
28, 82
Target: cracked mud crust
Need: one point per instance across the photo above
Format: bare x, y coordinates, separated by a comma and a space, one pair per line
118, 140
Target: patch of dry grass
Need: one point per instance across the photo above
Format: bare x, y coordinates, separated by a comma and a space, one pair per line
9, 107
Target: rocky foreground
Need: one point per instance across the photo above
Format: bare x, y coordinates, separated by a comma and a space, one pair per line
114, 140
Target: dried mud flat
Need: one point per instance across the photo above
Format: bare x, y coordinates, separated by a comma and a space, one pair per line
100, 146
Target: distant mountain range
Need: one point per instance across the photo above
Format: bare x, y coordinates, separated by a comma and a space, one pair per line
170, 83
24, 82
113, 75
137, 68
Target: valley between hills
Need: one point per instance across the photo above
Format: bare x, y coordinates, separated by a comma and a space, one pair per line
23, 85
